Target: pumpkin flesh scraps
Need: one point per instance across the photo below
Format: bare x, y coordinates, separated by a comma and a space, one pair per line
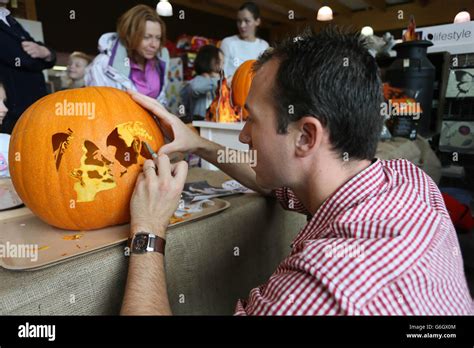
73, 236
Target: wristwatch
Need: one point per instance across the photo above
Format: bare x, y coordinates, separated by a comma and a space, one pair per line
144, 242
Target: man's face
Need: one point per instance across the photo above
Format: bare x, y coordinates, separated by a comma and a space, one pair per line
274, 151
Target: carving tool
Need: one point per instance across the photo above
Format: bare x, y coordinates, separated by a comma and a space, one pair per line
150, 150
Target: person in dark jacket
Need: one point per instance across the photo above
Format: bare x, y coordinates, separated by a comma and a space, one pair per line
22, 61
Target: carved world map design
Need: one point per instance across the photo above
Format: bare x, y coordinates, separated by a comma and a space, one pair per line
94, 173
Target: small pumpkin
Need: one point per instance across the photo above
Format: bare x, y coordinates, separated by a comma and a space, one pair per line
241, 83
75, 156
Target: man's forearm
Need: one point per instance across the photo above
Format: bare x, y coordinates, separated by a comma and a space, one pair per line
242, 172
146, 292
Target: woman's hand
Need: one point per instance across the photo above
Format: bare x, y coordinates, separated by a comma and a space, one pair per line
183, 138
156, 195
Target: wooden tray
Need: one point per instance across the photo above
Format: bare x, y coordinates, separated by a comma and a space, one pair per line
22, 227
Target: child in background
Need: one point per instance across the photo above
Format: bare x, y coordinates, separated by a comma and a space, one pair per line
4, 138
76, 69
199, 93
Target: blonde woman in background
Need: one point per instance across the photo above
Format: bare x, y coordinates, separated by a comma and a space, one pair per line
134, 57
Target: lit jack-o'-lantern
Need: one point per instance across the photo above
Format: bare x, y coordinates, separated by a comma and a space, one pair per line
75, 156
221, 109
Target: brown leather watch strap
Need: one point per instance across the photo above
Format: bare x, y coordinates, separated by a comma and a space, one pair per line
160, 244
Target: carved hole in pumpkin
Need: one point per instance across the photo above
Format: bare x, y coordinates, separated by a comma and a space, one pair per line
94, 173
126, 140
60, 143
92, 163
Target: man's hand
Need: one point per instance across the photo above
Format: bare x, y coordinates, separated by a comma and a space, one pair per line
184, 139
36, 51
153, 202
156, 195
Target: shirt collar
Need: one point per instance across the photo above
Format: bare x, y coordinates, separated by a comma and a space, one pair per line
364, 185
135, 66
4, 12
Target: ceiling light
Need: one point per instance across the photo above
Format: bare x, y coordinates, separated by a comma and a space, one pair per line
164, 8
462, 17
324, 14
367, 31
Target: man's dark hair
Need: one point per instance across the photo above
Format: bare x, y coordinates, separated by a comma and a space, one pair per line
329, 75
206, 58
252, 8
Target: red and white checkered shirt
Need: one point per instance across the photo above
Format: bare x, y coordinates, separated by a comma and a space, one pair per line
382, 244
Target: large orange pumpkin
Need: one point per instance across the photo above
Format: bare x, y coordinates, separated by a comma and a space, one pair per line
75, 156
241, 83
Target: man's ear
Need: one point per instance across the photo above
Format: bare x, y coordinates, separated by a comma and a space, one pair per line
258, 22
309, 134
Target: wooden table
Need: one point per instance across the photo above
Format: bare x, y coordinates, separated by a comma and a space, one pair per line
210, 263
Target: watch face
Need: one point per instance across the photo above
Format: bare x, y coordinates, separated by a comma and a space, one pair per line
140, 243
